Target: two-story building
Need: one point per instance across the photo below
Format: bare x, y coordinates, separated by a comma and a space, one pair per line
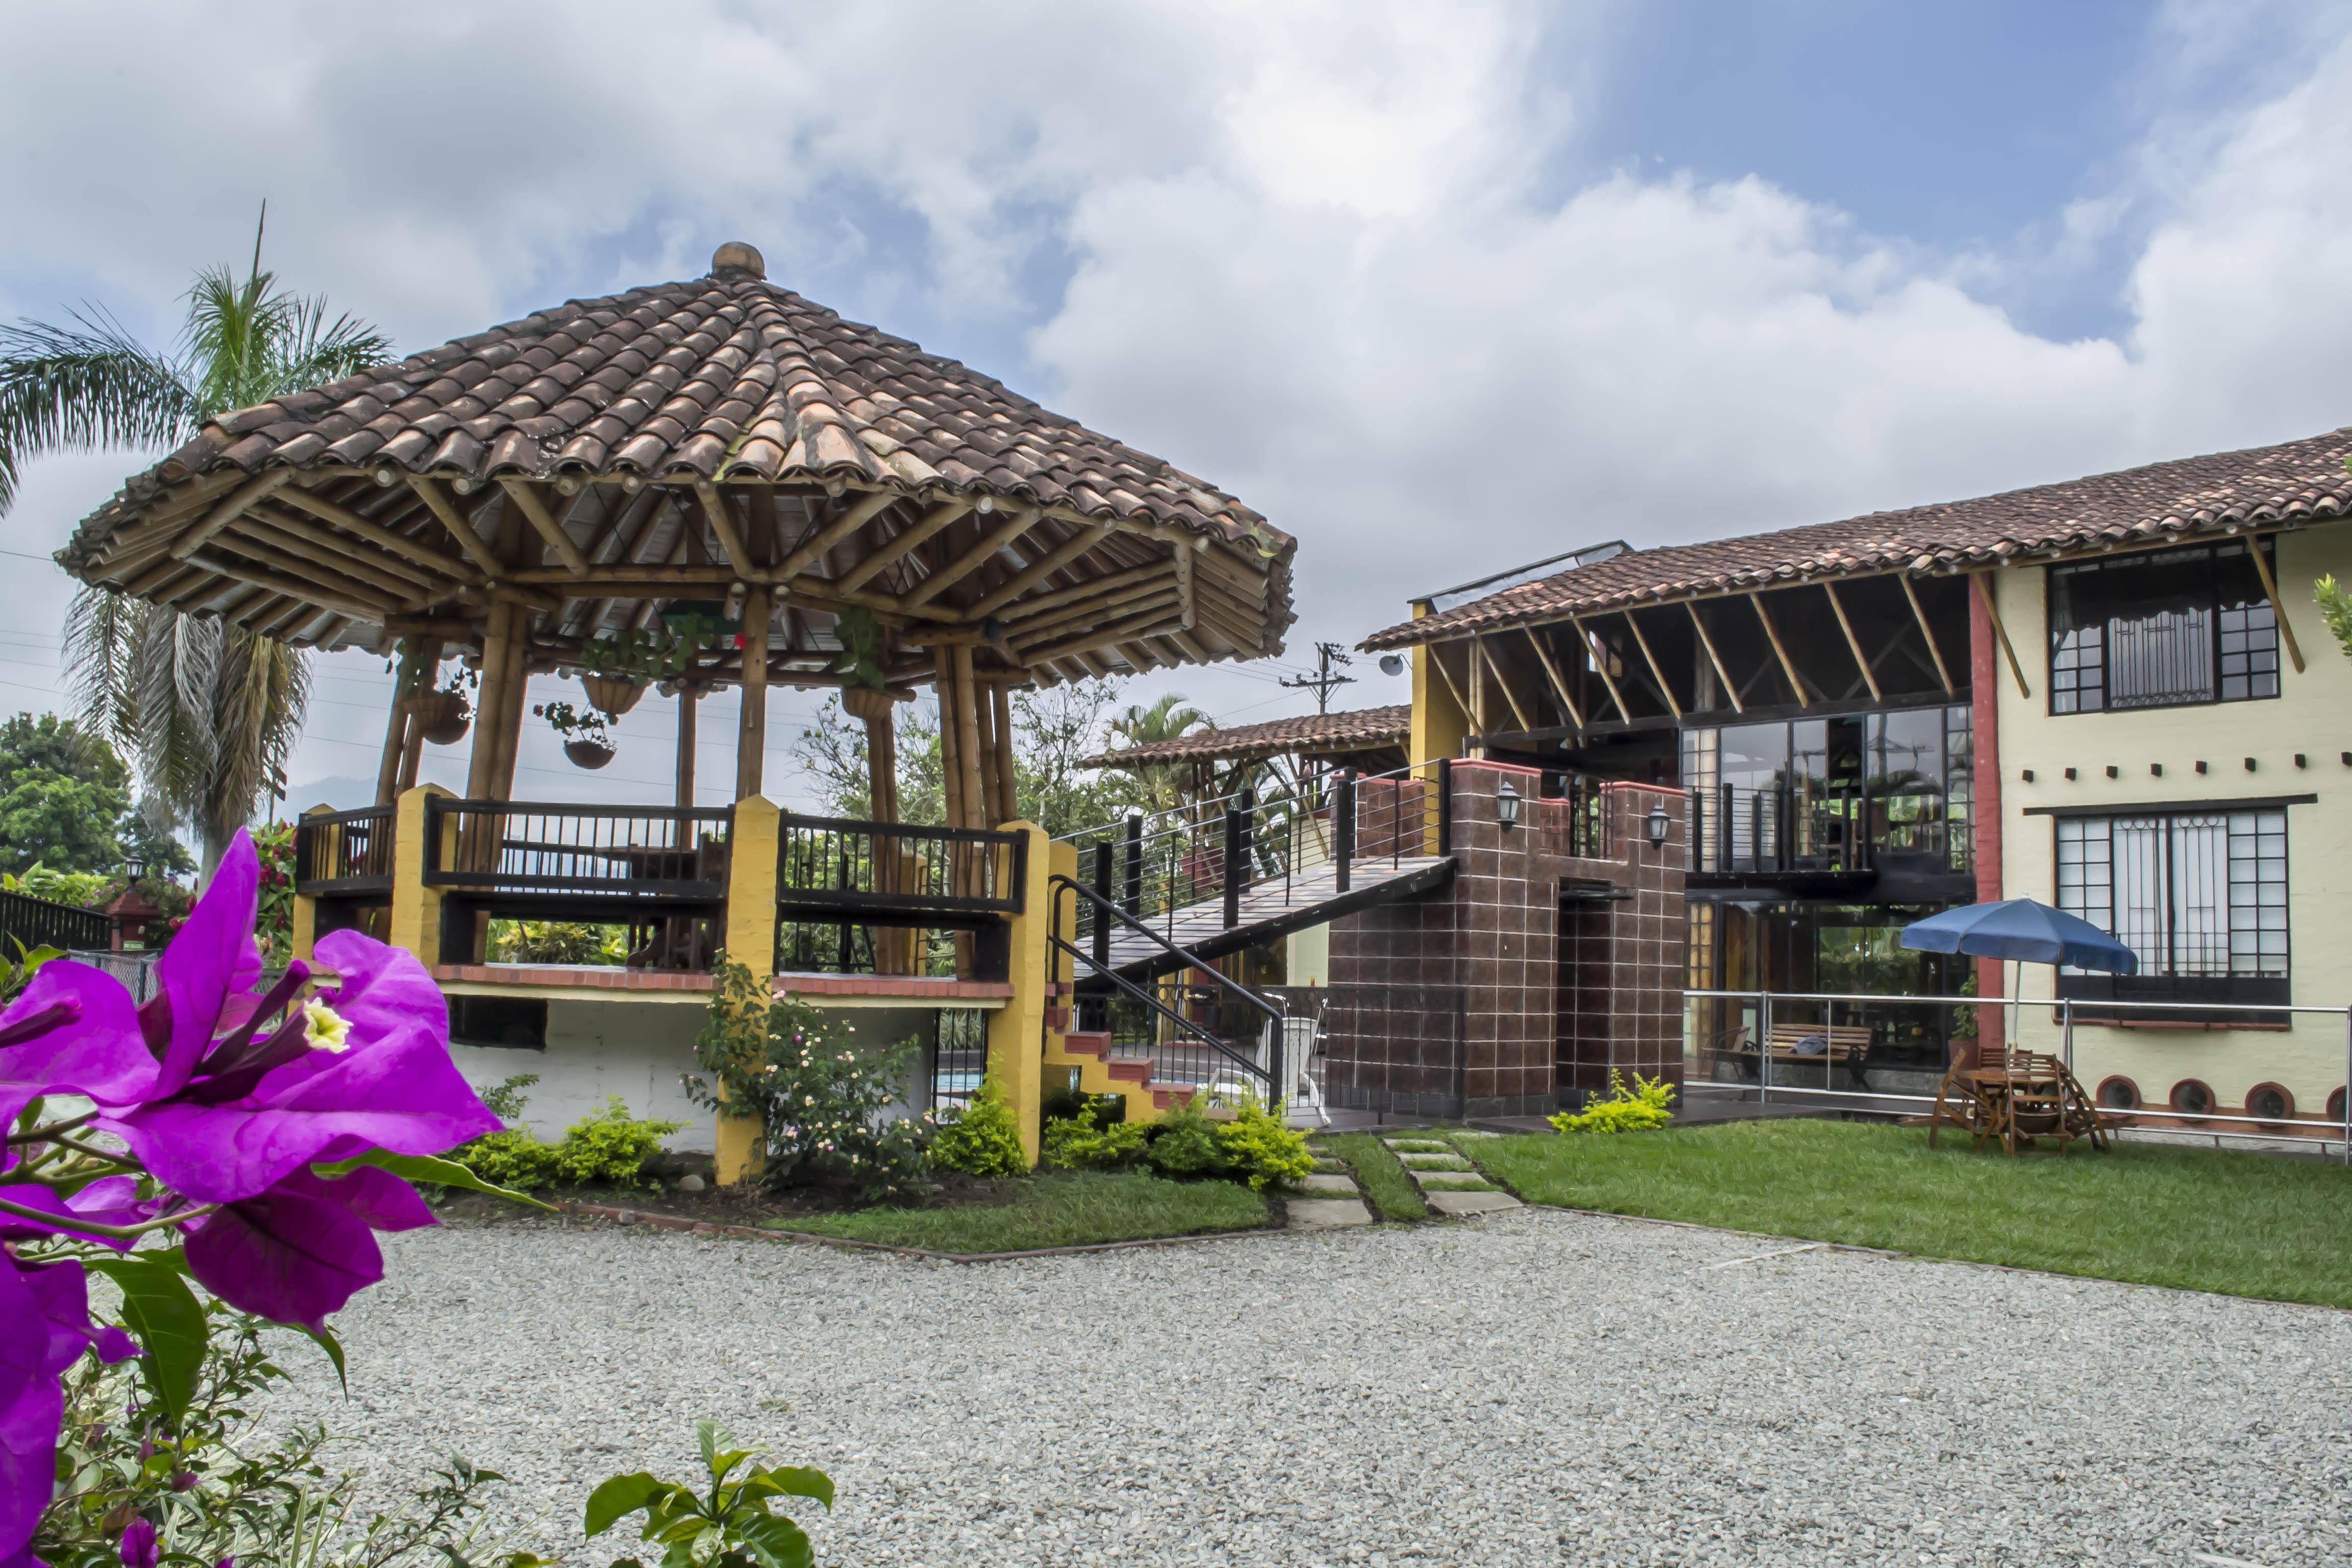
2113, 694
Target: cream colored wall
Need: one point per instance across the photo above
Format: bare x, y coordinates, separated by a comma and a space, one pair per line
1307, 956
2312, 715
597, 1050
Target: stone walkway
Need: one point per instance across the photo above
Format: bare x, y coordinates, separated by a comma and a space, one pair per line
1450, 1183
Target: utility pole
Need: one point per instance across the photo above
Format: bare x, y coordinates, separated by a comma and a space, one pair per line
1327, 654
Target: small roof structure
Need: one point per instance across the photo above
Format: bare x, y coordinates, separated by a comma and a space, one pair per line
1309, 736
2300, 481
695, 439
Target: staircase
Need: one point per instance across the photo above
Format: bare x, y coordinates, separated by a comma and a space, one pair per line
1102, 1071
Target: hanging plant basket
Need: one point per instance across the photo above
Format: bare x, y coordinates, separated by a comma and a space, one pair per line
614, 694
442, 716
587, 753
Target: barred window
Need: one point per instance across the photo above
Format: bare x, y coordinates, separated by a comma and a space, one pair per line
2194, 894
2160, 629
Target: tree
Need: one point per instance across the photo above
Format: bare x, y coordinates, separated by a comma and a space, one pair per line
65, 803
2336, 608
1169, 719
209, 712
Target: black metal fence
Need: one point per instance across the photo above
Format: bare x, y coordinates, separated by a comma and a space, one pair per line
841, 865
344, 852
518, 848
40, 922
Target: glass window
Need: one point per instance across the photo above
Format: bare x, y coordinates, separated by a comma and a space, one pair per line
1816, 787
2160, 629
2193, 894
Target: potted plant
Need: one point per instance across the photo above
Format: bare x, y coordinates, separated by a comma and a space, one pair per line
586, 741
614, 694
444, 713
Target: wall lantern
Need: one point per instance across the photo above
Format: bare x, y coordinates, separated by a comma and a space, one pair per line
1660, 824
1507, 807
135, 867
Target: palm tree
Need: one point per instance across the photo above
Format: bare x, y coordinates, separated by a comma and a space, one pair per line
1169, 719
209, 712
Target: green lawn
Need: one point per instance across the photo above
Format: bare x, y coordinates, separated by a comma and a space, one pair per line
1066, 1210
2247, 1225
1377, 1173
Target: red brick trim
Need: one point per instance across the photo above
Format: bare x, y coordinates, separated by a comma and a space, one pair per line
913, 987
583, 979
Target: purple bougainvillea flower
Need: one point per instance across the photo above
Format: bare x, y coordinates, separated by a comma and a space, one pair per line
73, 1031
44, 1329
299, 1250
207, 971
139, 1548
365, 1066
110, 1200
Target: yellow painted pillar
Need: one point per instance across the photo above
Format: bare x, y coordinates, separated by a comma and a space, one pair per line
1016, 1032
1439, 725
415, 907
305, 934
752, 942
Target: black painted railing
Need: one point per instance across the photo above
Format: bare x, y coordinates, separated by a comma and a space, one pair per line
40, 922
339, 853
492, 848
839, 864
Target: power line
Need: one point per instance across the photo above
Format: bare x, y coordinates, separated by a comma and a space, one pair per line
1323, 682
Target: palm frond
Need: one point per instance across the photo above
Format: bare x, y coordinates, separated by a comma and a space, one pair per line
233, 328
76, 388
264, 687
313, 350
103, 633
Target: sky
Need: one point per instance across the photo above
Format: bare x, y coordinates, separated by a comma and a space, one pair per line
1438, 290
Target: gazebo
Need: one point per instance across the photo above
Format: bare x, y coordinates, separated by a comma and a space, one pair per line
689, 485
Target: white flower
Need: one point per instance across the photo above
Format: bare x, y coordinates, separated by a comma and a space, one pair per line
324, 1029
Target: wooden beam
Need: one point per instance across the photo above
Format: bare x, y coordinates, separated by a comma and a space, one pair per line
524, 499
1184, 591
168, 511
252, 535
907, 539
383, 538
1559, 683
397, 724
1787, 667
1926, 633
1599, 658
1983, 580
731, 539
1853, 643
1665, 690
1129, 603
1038, 604
2278, 608
1008, 782
1150, 625
288, 525
1437, 662
863, 511
227, 509
459, 528
1061, 556
303, 593
1495, 669
1023, 519
1730, 687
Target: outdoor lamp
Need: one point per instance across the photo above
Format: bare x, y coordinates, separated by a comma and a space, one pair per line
134, 867
1507, 807
1660, 824
1392, 665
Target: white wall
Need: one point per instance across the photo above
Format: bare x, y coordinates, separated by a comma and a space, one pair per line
2312, 715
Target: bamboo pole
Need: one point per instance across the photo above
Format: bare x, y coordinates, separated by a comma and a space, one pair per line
751, 733
1559, 683
1853, 643
516, 692
1983, 580
1787, 667
1926, 633
983, 714
396, 727
1714, 659
689, 700
489, 702
1596, 653
943, 687
1023, 519
350, 522
1087, 537
2278, 608
428, 678
1008, 783
967, 719
1666, 687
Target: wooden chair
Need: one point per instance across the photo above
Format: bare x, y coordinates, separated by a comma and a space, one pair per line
2015, 1097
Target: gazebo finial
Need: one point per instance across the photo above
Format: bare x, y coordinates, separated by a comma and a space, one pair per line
737, 259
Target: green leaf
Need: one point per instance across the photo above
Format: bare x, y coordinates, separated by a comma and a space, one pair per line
426, 1168
706, 1542
326, 1340
164, 1316
620, 1496
777, 1542
791, 1480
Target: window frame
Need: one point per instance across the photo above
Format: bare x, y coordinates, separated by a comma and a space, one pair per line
2063, 665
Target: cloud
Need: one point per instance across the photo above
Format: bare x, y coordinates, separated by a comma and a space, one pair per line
1319, 254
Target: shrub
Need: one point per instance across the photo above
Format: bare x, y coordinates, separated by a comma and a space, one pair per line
983, 1139
1184, 1143
821, 1099
1646, 1105
557, 941
1081, 1144
1259, 1149
609, 1145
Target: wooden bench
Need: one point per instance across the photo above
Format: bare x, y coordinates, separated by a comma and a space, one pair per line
1836, 1045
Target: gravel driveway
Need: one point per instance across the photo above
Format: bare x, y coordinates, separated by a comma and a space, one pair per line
1538, 1387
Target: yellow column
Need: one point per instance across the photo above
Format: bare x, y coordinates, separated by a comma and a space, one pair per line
1016, 1033
415, 907
305, 934
1439, 725
752, 942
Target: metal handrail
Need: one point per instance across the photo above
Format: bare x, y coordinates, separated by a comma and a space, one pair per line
1188, 1028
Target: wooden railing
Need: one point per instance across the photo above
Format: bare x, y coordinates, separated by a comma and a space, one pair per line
838, 865
38, 922
494, 848
344, 852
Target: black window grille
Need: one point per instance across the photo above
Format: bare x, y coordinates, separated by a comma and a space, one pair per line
2161, 629
2199, 897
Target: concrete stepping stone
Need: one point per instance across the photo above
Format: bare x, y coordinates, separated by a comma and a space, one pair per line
1322, 1213
1322, 1183
1453, 1182
1434, 1163
1455, 1205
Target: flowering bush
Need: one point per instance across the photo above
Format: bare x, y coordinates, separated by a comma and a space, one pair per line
822, 1099
1647, 1104
248, 1143
983, 1139
607, 1145
273, 928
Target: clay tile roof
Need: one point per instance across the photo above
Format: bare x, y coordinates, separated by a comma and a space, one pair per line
723, 376
2300, 481
1313, 734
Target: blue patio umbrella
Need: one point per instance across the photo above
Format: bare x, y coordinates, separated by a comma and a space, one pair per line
2020, 930
2023, 930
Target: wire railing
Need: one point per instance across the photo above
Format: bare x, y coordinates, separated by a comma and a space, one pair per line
1871, 1050
1734, 828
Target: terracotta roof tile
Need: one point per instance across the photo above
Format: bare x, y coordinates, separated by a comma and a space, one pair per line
1312, 734
2299, 481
